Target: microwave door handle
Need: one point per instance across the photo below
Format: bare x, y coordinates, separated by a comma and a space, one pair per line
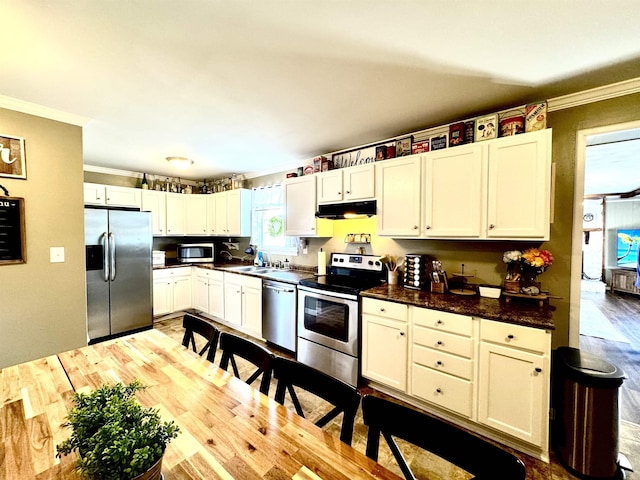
112, 255
105, 256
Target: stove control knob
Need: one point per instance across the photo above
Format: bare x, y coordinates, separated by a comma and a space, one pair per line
370, 262
378, 263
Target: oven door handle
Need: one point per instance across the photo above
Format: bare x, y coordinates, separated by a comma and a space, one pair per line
327, 294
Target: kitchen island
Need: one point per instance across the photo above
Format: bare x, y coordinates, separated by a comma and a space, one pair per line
229, 429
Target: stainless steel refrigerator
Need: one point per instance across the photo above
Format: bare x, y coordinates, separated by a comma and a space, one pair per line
118, 247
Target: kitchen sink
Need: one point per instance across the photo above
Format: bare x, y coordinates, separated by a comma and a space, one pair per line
251, 269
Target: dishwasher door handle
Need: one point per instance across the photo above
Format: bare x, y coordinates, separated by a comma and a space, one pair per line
279, 289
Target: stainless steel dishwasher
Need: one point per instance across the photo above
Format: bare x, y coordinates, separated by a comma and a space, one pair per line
279, 314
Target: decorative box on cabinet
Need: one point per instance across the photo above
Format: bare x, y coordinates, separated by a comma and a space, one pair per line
442, 356
514, 379
300, 209
384, 342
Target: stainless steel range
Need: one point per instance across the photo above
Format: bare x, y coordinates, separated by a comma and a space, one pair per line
329, 314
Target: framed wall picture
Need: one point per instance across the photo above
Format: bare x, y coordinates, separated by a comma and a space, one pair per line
12, 158
12, 233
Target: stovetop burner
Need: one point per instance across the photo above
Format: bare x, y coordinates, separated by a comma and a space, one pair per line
349, 274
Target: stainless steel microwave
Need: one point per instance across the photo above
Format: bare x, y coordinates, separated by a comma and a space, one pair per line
195, 252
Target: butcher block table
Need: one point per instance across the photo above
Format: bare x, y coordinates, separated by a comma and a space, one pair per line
228, 429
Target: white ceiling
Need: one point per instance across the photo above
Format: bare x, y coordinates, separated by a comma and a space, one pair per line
246, 86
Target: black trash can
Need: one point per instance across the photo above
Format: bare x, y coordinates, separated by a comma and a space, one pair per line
585, 429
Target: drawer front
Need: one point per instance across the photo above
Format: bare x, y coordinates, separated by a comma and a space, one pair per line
396, 311
443, 341
442, 389
517, 336
210, 274
444, 321
443, 362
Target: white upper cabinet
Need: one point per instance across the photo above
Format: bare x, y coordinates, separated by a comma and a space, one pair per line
176, 223
453, 192
155, 202
196, 214
98, 194
347, 184
519, 186
398, 194
300, 209
229, 213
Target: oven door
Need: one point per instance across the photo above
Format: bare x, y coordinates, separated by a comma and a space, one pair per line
329, 319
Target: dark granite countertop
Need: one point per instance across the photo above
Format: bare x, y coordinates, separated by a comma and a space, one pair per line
524, 313
288, 276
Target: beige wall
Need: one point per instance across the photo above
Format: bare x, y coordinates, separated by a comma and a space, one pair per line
42, 304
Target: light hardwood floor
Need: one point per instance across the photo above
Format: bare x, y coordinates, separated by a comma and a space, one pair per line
425, 466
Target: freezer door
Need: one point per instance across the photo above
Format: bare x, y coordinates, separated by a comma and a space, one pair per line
96, 230
130, 246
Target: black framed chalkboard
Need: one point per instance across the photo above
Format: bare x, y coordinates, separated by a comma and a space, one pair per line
12, 233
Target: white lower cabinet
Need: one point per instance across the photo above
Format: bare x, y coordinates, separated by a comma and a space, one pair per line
208, 292
513, 382
384, 344
171, 290
243, 303
489, 376
442, 359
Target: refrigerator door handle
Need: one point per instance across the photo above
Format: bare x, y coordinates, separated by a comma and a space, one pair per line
105, 255
112, 256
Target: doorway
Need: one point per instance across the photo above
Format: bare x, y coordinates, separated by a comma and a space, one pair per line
607, 200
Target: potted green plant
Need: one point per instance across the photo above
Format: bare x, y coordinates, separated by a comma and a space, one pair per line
116, 438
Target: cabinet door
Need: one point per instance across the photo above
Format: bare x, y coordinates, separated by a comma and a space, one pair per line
162, 295
196, 214
513, 392
232, 302
216, 298
221, 214
359, 182
329, 186
154, 202
175, 214
252, 310
123, 196
390, 337
398, 189
211, 214
453, 192
181, 293
519, 186
94, 194
300, 206
201, 293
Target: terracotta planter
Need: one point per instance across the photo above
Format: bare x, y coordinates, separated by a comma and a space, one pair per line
154, 472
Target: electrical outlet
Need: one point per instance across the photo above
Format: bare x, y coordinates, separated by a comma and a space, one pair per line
56, 254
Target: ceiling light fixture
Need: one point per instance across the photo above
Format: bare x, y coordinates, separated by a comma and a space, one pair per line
181, 163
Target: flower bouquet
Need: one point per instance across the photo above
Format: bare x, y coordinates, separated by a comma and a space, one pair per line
513, 259
535, 262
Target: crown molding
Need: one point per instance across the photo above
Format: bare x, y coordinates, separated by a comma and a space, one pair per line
111, 171
606, 92
42, 111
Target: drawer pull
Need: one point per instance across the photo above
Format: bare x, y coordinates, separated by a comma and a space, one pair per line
438, 390
510, 337
439, 322
439, 363
402, 334
538, 370
440, 343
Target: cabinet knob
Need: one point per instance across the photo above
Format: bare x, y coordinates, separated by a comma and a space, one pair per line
538, 370
347, 192
510, 337
428, 227
439, 343
439, 322
402, 334
438, 390
415, 227
439, 363
492, 226
340, 193
382, 309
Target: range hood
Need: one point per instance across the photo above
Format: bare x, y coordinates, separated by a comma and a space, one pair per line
337, 211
